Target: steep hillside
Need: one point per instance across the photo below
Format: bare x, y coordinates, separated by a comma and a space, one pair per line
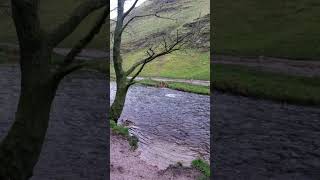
192, 64
54, 13
182, 13
271, 28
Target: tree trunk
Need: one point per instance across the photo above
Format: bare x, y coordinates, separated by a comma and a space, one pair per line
119, 101
20, 149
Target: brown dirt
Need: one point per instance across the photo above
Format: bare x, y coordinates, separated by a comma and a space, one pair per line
308, 68
126, 164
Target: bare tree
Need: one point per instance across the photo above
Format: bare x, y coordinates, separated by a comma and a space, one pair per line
20, 149
163, 47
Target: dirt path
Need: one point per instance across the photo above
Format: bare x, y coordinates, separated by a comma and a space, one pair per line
188, 81
294, 67
259, 139
126, 165
86, 54
75, 147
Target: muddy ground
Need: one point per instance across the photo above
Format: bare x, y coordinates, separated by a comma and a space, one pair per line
127, 165
75, 147
259, 139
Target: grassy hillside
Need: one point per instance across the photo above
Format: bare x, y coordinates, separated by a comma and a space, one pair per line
270, 28
183, 11
52, 14
182, 65
192, 64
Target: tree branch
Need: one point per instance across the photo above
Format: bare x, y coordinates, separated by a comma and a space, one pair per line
178, 43
87, 39
65, 70
142, 16
137, 73
130, 9
78, 15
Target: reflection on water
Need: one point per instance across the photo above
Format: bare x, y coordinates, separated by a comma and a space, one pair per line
172, 126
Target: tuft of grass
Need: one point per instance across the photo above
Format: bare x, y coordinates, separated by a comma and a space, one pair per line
119, 129
202, 166
198, 89
133, 142
124, 131
267, 85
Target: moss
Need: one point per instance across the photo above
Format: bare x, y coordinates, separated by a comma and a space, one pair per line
119, 129
202, 166
124, 131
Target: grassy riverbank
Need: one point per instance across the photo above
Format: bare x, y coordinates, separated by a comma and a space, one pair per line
275, 86
205, 90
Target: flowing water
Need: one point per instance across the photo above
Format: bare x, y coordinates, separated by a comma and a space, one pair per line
75, 147
172, 126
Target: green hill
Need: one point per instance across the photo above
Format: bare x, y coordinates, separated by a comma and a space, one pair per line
52, 14
288, 29
192, 64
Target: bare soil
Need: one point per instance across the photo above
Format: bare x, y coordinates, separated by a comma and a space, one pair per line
126, 164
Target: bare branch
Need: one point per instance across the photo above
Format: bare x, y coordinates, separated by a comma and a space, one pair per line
142, 16
65, 70
79, 14
152, 55
137, 73
130, 9
87, 39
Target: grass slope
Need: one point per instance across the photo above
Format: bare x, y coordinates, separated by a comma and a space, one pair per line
270, 28
184, 11
190, 65
52, 14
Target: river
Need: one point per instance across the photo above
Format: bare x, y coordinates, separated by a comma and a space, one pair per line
172, 126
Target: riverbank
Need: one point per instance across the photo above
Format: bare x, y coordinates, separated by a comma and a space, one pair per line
258, 83
172, 126
126, 164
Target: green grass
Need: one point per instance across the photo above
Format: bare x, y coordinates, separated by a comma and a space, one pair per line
275, 86
202, 166
180, 86
124, 131
270, 28
178, 65
185, 11
119, 129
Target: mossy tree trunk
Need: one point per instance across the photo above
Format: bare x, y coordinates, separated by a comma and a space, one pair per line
120, 98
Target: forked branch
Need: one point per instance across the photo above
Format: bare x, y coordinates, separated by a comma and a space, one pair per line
152, 55
87, 38
78, 15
